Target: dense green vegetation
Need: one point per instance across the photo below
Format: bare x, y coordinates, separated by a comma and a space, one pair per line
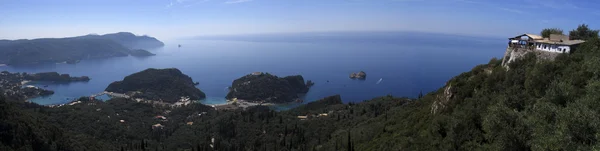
268, 88
53, 50
96, 125
536, 105
168, 85
583, 32
58, 50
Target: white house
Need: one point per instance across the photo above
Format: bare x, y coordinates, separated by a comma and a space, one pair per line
556, 43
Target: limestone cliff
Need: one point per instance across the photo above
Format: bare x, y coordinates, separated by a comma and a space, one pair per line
442, 100
513, 54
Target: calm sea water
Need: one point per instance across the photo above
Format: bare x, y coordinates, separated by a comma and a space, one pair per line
406, 63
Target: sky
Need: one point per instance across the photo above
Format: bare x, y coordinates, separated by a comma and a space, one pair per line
172, 19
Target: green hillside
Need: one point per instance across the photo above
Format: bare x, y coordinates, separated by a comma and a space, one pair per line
536, 105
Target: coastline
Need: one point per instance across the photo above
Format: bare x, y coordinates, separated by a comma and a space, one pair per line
24, 82
238, 103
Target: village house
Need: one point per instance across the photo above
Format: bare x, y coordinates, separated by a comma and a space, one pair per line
322, 114
302, 117
555, 43
157, 126
161, 118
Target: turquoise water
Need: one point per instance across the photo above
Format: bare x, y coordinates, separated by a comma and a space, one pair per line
103, 97
213, 100
406, 63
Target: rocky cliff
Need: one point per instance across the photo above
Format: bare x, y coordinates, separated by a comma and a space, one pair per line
513, 54
442, 100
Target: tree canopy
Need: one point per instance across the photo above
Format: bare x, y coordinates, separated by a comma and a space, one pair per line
269, 88
548, 31
536, 105
583, 32
168, 85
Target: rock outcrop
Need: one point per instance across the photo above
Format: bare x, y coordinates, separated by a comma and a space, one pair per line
168, 85
442, 100
359, 75
513, 54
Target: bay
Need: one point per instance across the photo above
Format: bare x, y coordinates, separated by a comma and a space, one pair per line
406, 64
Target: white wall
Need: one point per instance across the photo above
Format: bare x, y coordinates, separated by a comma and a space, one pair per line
553, 48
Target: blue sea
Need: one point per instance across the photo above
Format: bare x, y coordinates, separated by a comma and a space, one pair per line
405, 62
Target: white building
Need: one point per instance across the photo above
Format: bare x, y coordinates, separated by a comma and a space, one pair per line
555, 43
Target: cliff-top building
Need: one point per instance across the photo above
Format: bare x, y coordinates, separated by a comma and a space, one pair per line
555, 43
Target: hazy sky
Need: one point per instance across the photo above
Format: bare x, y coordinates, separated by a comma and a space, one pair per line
167, 19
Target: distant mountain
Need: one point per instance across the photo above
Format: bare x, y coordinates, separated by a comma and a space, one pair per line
129, 40
53, 50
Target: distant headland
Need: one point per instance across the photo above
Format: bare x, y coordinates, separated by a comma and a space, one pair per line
15, 85
72, 49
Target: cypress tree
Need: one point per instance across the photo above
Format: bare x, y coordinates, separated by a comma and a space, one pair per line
349, 142
142, 146
280, 120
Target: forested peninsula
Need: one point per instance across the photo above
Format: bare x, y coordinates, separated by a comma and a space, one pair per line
73, 49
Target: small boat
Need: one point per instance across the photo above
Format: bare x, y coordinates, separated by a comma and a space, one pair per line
179, 46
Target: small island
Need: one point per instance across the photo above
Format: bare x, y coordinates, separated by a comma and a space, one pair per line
359, 75
261, 87
166, 85
141, 53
